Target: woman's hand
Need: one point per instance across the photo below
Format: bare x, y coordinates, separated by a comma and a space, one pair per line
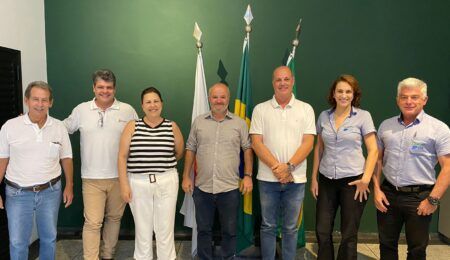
314, 188
362, 189
125, 192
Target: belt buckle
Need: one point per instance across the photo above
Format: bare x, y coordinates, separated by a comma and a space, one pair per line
152, 178
36, 188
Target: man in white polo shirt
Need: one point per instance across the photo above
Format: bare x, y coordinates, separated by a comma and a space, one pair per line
32, 149
282, 132
100, 122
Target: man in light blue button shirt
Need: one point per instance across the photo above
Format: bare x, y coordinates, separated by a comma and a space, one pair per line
410, 145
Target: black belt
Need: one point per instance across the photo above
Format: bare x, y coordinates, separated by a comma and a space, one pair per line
407, 189
34, 188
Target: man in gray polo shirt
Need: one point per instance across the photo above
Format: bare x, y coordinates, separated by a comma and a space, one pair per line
215, 142
410, 145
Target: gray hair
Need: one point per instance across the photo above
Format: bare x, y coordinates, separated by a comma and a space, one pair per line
412, 83
38, 84
219, 84
104, 74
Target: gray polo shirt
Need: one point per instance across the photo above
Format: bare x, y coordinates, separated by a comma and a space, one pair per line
411, 151
217, 145
342, 155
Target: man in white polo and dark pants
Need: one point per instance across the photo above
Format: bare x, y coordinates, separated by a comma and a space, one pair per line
33, 147
100, 122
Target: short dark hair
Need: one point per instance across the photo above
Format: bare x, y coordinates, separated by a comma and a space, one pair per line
104, 74
150, 90
353, 82
38, 84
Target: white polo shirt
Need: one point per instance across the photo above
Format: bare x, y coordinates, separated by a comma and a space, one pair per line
34, 153
282, 130
99, 136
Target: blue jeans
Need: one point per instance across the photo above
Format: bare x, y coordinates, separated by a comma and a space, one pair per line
227, 204
280, 201
21, 205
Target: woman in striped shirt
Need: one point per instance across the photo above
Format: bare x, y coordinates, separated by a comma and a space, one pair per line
149, 150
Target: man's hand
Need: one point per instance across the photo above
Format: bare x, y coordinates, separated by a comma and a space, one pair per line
362, 189
187, 185
280, 170
380, 200
68, 196
286, 178
425, 208
1, 203
246, 185
314, 188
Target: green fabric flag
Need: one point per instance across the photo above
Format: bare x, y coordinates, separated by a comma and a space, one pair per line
243, 109
291, 64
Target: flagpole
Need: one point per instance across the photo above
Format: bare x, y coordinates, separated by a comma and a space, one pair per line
291, 59
295, 41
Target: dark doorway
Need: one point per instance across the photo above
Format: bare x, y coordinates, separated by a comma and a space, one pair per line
10, 106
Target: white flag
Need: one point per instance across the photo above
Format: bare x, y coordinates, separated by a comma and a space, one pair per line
200, 106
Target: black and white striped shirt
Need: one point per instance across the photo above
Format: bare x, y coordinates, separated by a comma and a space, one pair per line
152, 149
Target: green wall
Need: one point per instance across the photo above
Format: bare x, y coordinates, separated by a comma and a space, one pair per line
149, 42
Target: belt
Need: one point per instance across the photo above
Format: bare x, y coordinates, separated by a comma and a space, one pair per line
407, 189
34, 188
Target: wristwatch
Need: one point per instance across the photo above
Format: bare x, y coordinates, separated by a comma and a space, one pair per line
433, 200
291, 167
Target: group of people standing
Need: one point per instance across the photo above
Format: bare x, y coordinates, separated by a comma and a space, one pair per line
126, 159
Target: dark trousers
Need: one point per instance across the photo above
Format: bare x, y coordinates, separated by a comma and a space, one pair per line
332, 195
227, 204
403, 210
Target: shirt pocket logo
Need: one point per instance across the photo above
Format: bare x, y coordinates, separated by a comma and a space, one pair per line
419, 146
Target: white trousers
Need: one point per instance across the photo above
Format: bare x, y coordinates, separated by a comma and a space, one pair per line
153, 204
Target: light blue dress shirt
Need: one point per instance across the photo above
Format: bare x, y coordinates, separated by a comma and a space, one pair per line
342, 155
411, 151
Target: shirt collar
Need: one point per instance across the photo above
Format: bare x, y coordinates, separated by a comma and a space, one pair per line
418, 119
228, 115
275, 104
27, 120
115, 105
353, 111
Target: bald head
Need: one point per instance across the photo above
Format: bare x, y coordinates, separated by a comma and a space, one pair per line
281, 69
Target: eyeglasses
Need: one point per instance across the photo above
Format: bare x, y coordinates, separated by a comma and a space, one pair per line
100, 120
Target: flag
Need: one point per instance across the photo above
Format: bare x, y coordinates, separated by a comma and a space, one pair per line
291, 64
243, 109
300, 222
200, 106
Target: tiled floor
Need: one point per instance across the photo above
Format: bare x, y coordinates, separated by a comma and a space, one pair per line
72, 249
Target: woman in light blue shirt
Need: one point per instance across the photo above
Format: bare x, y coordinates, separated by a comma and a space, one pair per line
341, 174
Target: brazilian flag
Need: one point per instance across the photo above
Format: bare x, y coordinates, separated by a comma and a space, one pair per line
243, 108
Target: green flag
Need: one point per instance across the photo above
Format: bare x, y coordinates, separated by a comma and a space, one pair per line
243, 109
291, 64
